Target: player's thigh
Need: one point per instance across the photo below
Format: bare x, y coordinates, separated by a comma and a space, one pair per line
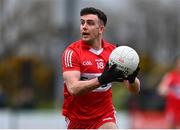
108, 125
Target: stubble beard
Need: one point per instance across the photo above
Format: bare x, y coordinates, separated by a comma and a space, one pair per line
88, 41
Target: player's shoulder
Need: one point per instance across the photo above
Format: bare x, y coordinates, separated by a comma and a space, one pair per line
170, 74
109, 45
174, 73
74, 46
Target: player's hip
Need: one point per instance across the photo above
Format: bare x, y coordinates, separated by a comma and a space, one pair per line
91, 123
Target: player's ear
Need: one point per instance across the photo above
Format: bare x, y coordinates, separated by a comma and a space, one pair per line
101, 29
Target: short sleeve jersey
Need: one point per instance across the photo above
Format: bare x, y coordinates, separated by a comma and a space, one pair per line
172, 80
90, 62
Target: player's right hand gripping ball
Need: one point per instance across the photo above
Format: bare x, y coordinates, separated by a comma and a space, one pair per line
131, 78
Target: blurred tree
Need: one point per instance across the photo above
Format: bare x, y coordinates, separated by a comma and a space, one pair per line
161, 28
31, 28
17, 73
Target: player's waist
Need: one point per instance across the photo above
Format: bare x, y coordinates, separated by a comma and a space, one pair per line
89, 119
84, 112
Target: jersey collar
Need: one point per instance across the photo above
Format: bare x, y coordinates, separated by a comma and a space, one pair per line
85, 45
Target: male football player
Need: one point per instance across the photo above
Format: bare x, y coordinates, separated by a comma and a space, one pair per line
169, 87
87, 76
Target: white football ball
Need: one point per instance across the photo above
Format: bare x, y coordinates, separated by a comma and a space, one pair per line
126, 59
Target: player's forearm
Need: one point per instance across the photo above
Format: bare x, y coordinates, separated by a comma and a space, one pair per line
163, 90
81, 87
134, 88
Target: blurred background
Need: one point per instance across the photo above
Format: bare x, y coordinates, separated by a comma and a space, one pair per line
34, 33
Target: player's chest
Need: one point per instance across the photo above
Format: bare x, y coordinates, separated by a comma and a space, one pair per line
93, 62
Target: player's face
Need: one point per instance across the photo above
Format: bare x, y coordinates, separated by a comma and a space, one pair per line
91, 28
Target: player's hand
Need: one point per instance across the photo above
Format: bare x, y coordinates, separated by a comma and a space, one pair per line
110, 74
131, 78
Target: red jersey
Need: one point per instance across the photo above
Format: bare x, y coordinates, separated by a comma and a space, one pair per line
173, 98
90, 62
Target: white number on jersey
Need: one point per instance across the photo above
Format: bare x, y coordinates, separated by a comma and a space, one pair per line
100, 65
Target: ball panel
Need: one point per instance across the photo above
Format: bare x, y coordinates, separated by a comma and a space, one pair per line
126, 59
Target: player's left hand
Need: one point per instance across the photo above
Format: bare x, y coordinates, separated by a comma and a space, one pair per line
110, 74
131, 78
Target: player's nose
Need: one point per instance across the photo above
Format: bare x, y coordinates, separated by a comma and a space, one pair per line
84, 26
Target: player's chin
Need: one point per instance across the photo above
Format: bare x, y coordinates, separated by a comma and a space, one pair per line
85, 39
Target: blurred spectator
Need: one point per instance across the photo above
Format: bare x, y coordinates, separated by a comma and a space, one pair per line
139, 103
169, 87
3, 98
25, 99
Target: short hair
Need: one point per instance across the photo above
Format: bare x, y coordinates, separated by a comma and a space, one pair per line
91, 10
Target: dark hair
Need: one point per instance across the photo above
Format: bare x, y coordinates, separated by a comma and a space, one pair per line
90, 10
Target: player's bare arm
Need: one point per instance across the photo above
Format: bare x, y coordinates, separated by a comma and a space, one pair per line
77, 87
132, 82
163, 86
134, 88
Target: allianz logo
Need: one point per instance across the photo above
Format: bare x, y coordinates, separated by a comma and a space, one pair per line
85, 63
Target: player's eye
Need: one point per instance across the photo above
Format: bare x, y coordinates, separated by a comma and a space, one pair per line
82, 22
90, 23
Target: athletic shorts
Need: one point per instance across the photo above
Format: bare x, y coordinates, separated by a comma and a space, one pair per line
92, 124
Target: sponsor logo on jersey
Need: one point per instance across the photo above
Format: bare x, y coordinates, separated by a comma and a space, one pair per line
86, 63
99, 60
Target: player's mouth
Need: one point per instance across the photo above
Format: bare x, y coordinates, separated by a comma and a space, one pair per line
85, 34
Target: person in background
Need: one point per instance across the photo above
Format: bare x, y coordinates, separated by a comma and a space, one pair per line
87, 76
3, 98
169, 87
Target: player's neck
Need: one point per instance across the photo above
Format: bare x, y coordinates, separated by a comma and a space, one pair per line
97, 44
